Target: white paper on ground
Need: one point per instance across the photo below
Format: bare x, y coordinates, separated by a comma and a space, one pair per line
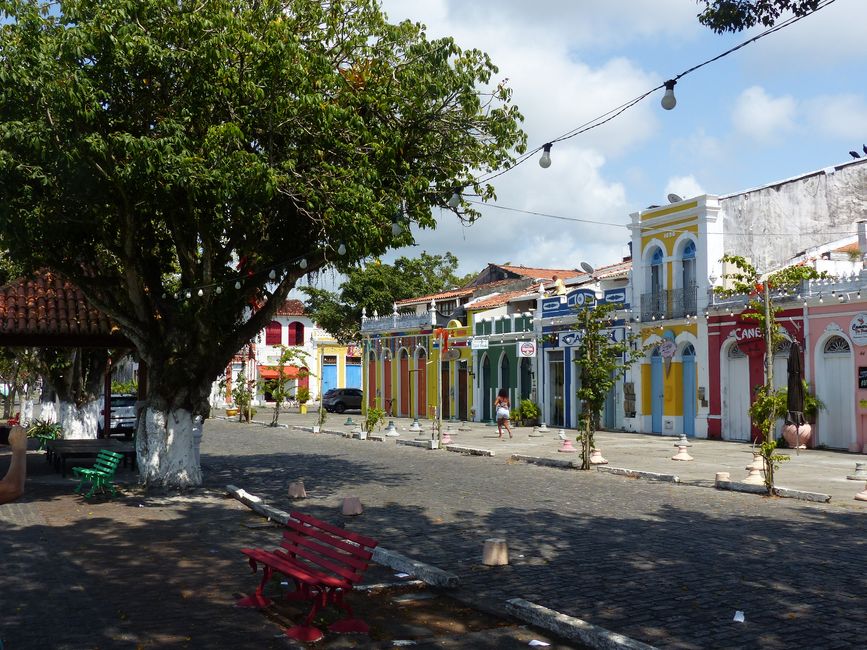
536, 642
401, 575
739, 616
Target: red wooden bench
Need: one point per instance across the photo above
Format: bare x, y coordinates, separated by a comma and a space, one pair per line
324, 562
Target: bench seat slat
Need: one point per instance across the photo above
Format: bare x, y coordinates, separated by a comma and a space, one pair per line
320, 563
336, 549
287, 566
305, 546
332, 539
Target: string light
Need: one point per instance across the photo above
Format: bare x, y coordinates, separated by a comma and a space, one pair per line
669, 101
200, 293
303, 263
455, 199
341, 250
238, 284
272, 275
545, 160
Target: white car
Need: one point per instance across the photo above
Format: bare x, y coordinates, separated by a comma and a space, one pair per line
122, 419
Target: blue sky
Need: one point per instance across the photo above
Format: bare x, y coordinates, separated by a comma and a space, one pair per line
792, 102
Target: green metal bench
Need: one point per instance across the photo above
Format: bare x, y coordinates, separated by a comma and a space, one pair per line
101, 475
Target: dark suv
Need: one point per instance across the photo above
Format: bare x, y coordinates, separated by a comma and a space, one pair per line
337, 400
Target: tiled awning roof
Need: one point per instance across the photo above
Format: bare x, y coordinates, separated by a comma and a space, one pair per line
48, 310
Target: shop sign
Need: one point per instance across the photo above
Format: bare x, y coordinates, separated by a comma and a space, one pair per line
527, 349
479, 343
858, 329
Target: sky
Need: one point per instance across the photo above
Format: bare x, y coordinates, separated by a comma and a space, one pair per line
792, 102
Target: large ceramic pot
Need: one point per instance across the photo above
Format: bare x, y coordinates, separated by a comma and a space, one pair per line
797, 437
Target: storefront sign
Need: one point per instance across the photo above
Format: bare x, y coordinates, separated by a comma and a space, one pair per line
479, 343
573, 338
527, 349
667, 349
747, 333
858, 329
862, 377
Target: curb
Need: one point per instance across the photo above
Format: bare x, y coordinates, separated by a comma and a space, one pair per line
472, 451
548, 462
785, 493
637, 473
570, 627
424, 444
392, 559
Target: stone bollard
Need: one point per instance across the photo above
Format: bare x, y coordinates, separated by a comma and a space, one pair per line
297, 491
415, 427
447, 438
349, 422
756, 471
495, 552
566, 447
722, 477
596, 457
682, 441
682, 454
561, 434
860, 472
391, 430
543, 428
352, 506
862, 495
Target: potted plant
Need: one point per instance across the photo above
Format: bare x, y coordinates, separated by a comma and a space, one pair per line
242, 393
529, 412
303, 396
44, 431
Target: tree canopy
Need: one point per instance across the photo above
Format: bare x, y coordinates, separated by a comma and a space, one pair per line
376, 287
738, 15
185, 163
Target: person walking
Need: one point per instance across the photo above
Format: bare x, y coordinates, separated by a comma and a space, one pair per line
501, 408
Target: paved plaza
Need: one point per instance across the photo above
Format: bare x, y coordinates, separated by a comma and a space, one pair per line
665, 563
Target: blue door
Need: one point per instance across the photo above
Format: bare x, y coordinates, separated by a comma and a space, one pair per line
329, 377
656, 392
688, 368
353, 376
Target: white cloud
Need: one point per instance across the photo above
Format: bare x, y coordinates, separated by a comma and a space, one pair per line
684, 186
839, 116
762, 117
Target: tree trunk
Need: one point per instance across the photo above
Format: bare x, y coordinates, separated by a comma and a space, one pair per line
165, 447
79, 423
48, 403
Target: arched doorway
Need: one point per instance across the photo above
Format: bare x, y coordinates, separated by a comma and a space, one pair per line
403, 381
656, 391
835, 387
525, 377
687, 366
487, 397
736, 418
505, 375
371, 379
421, 383
386, 382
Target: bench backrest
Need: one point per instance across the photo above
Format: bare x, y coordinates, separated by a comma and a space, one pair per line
107, 461
340, 552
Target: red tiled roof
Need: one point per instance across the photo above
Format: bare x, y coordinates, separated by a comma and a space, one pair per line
48, 309
613, 270
502, 298
540, 274
451, 293
291, 308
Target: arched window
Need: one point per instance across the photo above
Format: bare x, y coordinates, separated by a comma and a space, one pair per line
656, 272
296, 333
837, 345
273, 333
687, 279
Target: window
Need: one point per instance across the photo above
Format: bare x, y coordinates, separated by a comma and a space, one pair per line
689, 265
353, 361
296, 333
656, 272
273, 333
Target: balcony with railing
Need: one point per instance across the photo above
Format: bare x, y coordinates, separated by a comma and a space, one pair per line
394, 322
670, 303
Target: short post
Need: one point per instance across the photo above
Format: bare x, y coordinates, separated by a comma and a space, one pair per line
495, 552
296, 490
682, 454
351, 506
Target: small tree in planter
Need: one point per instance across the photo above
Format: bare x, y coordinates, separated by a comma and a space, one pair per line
765, 409
279, 386
242, 394
603, 362
372, 418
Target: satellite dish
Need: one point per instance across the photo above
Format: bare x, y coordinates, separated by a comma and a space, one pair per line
674, 198
586, 267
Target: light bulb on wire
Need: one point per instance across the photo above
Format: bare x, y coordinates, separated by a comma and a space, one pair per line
272, 275
669, 101
341, 250
455, 199
303, 263
545, 160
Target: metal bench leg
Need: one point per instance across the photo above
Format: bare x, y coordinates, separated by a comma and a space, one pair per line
308, 633
350, 624
258, 598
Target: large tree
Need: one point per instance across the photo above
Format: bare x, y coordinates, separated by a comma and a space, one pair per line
376, 287
185, 163
738, 15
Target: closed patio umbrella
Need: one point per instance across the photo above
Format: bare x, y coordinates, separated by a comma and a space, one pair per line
795, 388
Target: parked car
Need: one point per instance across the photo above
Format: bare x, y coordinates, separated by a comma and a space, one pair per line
122, 418
337, 400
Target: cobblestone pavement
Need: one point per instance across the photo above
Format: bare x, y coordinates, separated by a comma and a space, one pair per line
663, 563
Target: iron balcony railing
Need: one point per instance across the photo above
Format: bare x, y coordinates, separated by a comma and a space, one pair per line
670, 303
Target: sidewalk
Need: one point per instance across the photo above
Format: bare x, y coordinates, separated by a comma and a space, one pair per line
810, 470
